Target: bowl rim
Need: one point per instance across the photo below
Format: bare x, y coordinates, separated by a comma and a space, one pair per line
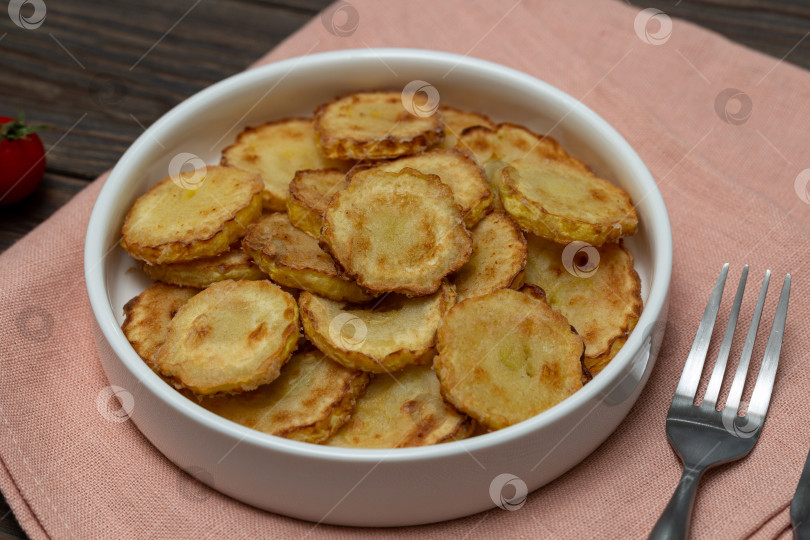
96, 271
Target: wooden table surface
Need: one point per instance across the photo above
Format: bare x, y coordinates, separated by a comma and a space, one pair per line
99, 72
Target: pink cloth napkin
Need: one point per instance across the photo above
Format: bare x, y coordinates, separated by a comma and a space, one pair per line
729, 164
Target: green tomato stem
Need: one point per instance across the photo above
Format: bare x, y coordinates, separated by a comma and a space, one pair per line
18, 129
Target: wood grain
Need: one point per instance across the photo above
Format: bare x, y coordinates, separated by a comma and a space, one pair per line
114, 84
98, 72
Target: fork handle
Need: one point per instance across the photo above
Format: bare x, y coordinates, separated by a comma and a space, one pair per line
674, 521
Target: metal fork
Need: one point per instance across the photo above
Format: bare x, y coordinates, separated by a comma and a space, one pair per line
702, 436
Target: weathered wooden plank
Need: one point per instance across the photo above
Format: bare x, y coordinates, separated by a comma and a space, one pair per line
9, 528
122, 67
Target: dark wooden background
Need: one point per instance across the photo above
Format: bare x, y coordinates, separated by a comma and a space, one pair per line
98, 72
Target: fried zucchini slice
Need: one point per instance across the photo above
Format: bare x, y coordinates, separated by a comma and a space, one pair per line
401, 410
495, 147
456, 121
458, 170
170, 224
374, 125
310, 194
507, 356
234, 264
276, 151
294, 259
397, 332
597, 289
598, 363
230, 338
147, 317
311, 399
564, 204
509, 142
398, 232
498, 258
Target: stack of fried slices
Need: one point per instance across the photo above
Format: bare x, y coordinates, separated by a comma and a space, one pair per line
381, 277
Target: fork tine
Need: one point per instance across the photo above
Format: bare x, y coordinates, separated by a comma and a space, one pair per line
761, 396
734, 395
690, 378
713, 390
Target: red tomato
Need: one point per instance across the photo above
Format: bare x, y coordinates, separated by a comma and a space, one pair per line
22, 159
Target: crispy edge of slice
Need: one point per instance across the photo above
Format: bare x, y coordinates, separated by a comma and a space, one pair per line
337, 145
533, 217
147, 317
490, 403
282, 266
498, 267
339, 238
307, 203
337, 388
267, 368
201, 273
320, 332
457, 120
541, 147
381, 410
181, 250
596, 364
474, 197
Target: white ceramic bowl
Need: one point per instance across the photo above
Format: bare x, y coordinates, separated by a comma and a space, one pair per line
372, 487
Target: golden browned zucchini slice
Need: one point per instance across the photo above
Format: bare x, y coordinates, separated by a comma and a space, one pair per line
507, 356
598, 363
230, 338
276, 150
509, 142
399, 232
293, 258
395, 333
402, 409
147, 317
310, 194
374, 125
498, 258
564, 204
311, 399
172, 224
597, 289
456, 121
457, 169
234, 264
